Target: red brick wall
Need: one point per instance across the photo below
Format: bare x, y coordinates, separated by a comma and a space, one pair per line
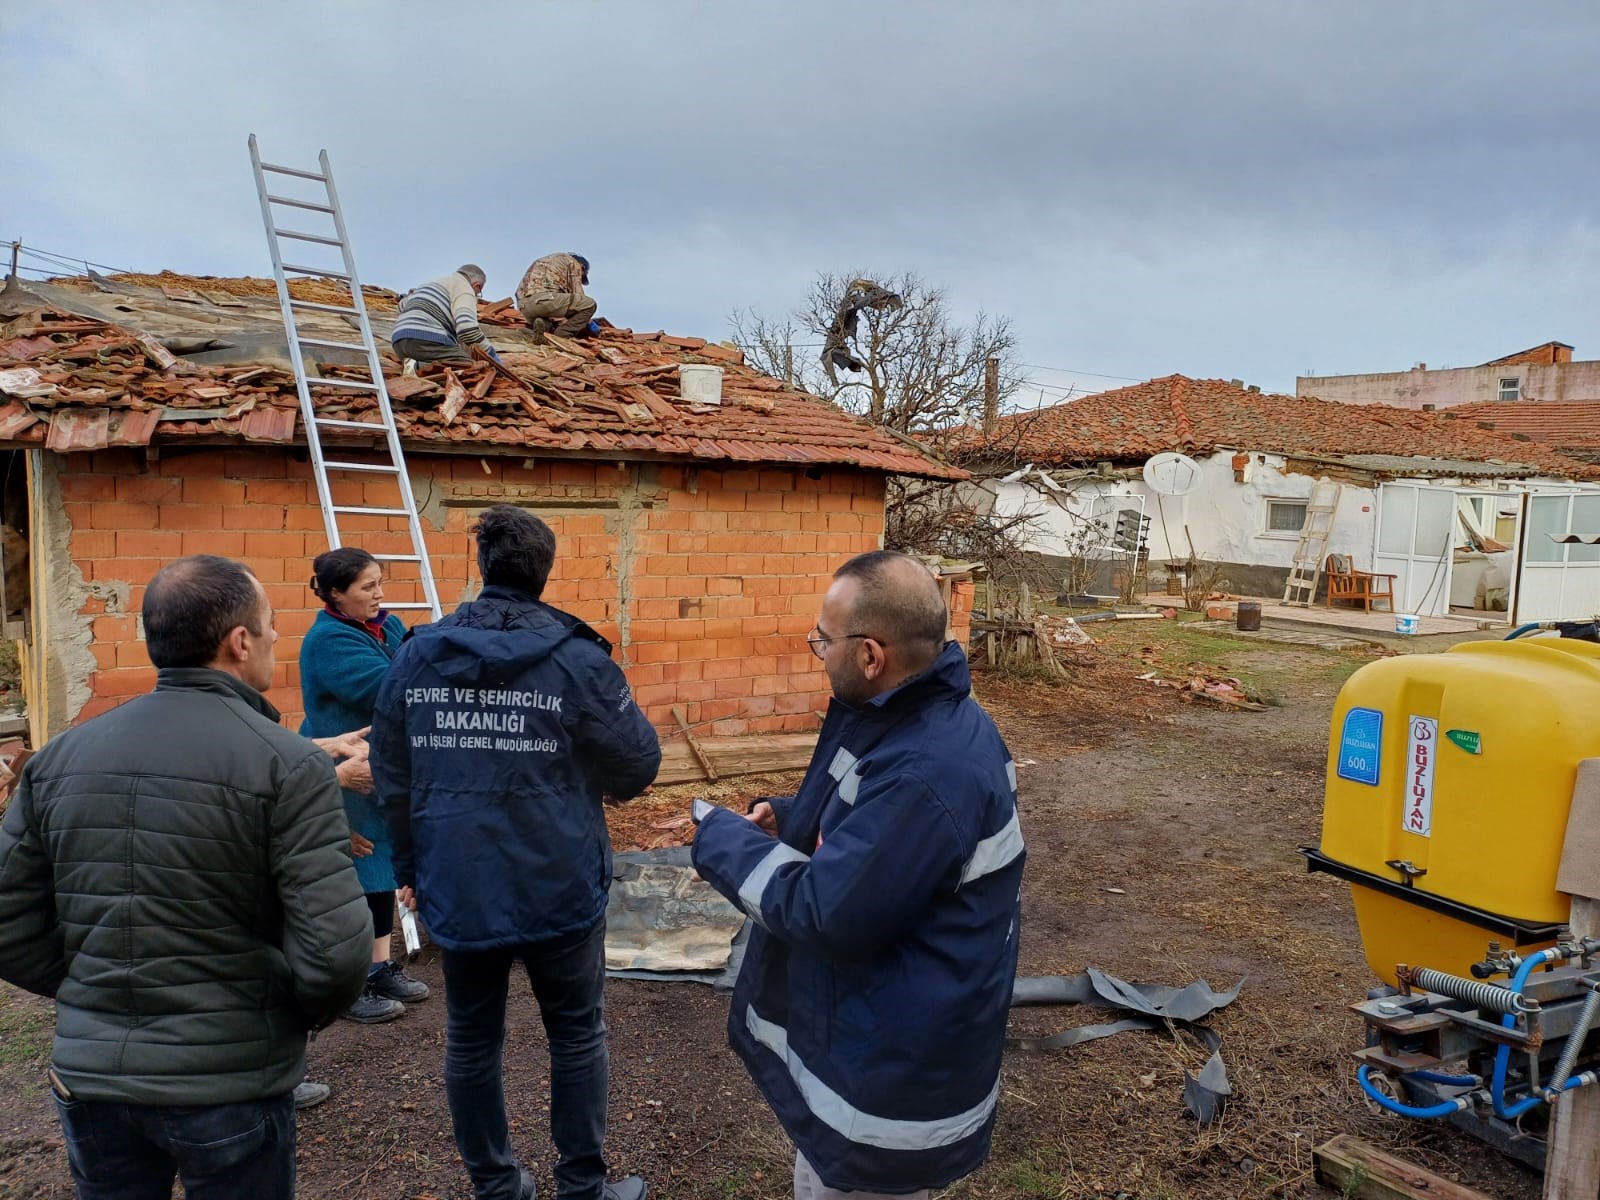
706, 581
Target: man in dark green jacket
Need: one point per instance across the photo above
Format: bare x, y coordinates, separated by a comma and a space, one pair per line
176, 874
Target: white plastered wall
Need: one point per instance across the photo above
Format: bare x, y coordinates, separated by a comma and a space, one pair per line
1225, 520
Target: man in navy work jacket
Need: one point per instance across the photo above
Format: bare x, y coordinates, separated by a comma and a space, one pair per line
497, 732
871, 1008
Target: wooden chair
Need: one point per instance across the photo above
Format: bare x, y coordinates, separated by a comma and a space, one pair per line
1345, 582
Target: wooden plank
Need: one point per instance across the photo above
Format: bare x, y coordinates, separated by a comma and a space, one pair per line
750, 755
694, 744
1572, 1147
1363, 1172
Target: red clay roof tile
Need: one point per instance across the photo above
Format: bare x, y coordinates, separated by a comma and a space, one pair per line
1204, 415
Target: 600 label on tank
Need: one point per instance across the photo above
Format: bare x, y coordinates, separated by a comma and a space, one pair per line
1422, 747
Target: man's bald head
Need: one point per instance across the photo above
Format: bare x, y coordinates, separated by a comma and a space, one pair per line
896, 600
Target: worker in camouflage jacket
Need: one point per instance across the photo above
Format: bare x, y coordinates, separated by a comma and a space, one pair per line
176, 874
551, 298
871, 1008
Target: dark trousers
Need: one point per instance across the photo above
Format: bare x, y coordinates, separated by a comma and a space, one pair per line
430, 351
568, 981
221, 1151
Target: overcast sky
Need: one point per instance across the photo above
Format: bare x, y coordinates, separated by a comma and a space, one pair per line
1245, 189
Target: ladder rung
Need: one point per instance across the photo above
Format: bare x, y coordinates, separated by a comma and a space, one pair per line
422, 604
306, 204
350, 466
295, 171
322, 272
344, 383
372, 512
336, 423
306, 237
398, 557
338, 308
331, 345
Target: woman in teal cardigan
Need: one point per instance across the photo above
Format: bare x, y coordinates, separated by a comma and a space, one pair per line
343, 659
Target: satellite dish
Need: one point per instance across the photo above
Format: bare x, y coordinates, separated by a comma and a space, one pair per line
1172, 474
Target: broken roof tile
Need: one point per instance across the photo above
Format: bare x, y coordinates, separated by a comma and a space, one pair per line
616, 390
74, 429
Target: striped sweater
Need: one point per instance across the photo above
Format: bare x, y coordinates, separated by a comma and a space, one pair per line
443, 310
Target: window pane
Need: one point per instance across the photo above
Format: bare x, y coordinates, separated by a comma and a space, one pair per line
1547, 519
1436, 514
1285, 516
1585, 521
1397, 508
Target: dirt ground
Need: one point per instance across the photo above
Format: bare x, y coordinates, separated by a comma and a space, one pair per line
1161, 847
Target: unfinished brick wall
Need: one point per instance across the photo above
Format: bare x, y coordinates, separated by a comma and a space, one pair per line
706, 581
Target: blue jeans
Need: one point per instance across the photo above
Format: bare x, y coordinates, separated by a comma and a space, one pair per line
568, 980
222, 1151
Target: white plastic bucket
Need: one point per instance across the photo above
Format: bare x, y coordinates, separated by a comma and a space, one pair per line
1405, 623
699, 384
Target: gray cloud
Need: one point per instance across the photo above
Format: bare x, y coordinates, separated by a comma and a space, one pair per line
1234, 189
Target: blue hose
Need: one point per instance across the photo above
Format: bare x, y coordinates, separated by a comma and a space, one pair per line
1522, 629
1443, 1109
1502, 1056
1447, 1080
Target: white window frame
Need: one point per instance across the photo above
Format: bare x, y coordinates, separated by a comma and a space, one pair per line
1266, 517
1515, 390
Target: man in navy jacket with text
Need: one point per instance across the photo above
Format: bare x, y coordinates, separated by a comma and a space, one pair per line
871, 1008
497, 732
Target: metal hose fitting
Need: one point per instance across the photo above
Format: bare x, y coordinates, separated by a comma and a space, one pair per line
1574, 1046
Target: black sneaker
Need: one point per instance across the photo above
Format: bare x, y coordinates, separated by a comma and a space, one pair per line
391, 980
373, 1009
631, 1188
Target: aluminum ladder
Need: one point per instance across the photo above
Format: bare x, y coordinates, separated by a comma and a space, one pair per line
350, 473
1306, 569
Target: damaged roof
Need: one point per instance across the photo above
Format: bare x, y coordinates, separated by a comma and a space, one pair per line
1200, 416
131, 360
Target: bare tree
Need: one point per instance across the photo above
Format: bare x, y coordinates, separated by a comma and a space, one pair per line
922, 371
921, 376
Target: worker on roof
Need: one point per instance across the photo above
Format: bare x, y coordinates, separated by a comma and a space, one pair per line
551, 298
438, 321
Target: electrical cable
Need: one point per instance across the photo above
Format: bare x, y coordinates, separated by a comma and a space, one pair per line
69, 260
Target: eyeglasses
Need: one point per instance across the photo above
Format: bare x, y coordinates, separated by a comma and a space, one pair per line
819, 643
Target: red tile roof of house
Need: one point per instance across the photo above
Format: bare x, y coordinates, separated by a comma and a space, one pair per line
74, 382
1206, 415
1562, 426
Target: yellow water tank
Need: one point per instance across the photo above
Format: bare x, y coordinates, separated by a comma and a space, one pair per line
1448, 783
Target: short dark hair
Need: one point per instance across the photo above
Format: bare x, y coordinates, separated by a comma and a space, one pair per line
898, 601
335, 570
515, 548
584, 263
193, 604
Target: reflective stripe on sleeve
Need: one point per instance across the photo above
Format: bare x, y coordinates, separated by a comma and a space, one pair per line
848, 1121
995, 851
756, 882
